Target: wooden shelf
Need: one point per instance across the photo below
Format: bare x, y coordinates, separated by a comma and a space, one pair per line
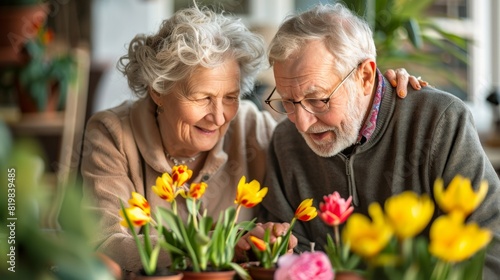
51, 123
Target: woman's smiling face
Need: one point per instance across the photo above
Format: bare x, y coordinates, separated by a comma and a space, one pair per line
194, 121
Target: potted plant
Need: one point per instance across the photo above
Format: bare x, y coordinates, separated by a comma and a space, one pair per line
199, 244
43, 81
39, 72
268, 253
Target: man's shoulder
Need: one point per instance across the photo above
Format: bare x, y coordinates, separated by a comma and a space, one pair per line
430, 99
433, 95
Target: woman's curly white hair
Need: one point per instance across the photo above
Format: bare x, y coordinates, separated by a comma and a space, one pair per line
191, 38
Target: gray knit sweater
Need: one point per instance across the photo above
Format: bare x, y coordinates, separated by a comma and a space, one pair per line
428, 135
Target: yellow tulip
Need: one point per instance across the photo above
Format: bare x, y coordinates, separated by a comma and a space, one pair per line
408, 213
249, 194
459, 196
136, 215
164, 188
367, 238
306, 212
453, 241
181, 174
138, 200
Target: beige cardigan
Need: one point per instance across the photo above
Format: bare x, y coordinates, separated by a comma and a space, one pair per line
123, 152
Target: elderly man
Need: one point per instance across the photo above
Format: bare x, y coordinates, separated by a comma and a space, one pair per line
346, 131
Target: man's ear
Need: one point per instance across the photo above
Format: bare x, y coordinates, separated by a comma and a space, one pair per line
368, 69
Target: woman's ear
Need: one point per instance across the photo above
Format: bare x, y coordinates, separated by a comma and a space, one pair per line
155, 96
368, 69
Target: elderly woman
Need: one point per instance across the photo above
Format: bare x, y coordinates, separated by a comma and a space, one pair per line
189, 78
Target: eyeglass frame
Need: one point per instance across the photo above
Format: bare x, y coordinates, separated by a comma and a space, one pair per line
324, 100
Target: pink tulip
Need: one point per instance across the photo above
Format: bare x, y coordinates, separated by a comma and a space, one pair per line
335, 210
315, 265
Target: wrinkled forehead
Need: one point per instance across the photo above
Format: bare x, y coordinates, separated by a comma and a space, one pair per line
311, 62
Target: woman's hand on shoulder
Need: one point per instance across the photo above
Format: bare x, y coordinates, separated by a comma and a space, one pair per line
400, 78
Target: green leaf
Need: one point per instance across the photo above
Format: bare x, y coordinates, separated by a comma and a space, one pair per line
242, 273
178, 228
414, 34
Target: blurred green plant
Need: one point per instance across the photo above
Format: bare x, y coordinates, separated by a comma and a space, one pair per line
44, 71
404, 35
28, 251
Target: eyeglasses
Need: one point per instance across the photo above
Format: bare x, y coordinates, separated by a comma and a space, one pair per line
311, 105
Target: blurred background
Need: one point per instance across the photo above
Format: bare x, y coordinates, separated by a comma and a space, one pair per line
58, 58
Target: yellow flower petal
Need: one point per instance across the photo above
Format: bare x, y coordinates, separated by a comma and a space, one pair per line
249, 194
460, 195
367, 238
196, 190
136, 215
139, 201
306, 212
409, 213
181, 174
453, 241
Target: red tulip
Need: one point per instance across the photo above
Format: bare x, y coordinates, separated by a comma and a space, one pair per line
335, 210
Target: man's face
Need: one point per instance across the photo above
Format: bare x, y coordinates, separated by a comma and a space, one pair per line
309, 74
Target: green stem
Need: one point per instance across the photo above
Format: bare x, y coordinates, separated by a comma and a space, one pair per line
238, 209
195, 217
174, 206
147, 240
337, 237
440, 270
287, 236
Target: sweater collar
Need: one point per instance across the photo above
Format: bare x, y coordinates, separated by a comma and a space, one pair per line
370, 124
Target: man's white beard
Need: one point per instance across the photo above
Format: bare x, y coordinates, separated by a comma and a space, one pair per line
345, 136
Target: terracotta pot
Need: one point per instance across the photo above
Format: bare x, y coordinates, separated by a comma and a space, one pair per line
345, 275
163, 275
27, 104
209, 275
260, 273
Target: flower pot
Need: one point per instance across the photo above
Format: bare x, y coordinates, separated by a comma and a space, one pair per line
348, 275
260, 273
209, 275
162, 275
27, 104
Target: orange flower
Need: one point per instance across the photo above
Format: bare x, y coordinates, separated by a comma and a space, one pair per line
306, 212
249, 194
259, 243
47, 37
197, 190
181, 174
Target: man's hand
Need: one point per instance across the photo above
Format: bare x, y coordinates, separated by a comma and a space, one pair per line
275, 229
